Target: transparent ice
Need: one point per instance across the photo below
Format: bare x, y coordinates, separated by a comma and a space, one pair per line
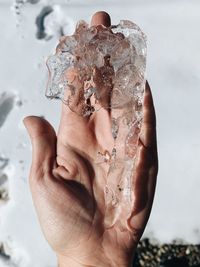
99, 67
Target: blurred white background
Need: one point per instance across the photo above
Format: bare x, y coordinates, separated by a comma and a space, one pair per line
173, 71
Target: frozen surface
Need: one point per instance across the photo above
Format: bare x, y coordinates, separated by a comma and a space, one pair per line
173, 73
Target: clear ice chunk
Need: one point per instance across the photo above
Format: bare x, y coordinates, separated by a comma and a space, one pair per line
99, 67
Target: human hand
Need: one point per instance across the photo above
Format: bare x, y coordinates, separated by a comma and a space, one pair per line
68, 188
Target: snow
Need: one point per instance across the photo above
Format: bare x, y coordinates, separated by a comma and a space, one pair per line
173, 73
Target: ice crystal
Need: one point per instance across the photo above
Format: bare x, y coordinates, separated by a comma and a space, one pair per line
99, 67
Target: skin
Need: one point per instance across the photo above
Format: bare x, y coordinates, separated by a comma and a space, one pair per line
68, 188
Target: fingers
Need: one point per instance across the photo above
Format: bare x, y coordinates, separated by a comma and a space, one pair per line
146, 168
144, 182
148, 130
43, 139
101, 18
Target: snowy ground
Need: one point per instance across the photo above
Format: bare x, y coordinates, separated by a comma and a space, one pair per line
173, 71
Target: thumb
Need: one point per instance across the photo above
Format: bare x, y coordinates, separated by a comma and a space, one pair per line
43, 139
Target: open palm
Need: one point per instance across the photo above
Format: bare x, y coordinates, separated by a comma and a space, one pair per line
68, 184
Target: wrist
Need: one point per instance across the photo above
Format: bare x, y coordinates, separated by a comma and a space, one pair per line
64, 261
